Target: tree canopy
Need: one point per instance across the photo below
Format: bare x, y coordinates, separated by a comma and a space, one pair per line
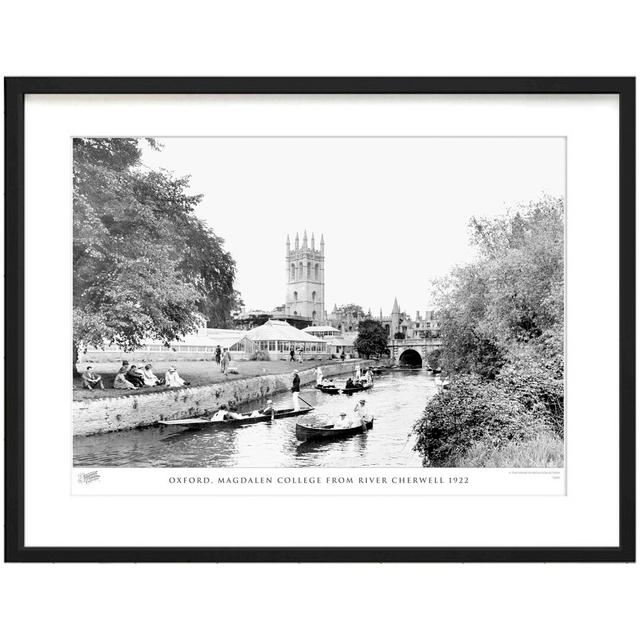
511, 295
145, 267
372, 339
502, 327
351, 309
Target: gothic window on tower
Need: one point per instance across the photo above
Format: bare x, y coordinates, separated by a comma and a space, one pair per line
313, 296
293, 272
300, 272
308, 271
295, 296
317, 270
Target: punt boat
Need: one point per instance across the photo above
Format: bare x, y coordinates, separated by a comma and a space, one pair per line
234, 422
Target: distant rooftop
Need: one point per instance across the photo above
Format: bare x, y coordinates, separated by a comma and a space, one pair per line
324, 329
280, 330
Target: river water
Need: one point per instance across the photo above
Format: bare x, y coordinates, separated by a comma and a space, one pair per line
397, 400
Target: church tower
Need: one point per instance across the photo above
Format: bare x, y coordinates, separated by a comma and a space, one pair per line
305, 279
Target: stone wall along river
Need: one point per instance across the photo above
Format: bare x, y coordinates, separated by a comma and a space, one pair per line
129, 411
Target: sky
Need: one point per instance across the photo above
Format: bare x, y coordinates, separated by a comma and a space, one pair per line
394, 211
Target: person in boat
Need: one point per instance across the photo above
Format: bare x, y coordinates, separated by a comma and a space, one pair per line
342, 422
295, 390
135, 377
358, 371
319, 376
150, 378
173, 379
362, 413
268, 410
221, 414
233, 412
121, 381
91, 380
369, 376
349, 384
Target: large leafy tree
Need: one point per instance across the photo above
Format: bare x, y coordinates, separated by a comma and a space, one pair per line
351, 309
502, 339
144, 265
372, 339
512, 295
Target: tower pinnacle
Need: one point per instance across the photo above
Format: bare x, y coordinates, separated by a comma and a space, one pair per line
305, 280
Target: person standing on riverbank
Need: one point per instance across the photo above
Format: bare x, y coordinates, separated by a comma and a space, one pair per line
218, 354
295, 391
224, 361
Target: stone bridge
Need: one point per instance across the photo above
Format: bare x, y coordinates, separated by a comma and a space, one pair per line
413, 351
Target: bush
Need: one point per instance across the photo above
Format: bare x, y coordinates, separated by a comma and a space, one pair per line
470, 410
433, 358
261, 355
525, 400
538, 386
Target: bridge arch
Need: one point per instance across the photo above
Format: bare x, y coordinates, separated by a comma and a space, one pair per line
410, 358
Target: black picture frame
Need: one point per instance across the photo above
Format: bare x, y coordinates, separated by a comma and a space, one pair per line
15, 91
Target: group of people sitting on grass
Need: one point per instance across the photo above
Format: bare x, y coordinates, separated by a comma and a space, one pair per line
134, 377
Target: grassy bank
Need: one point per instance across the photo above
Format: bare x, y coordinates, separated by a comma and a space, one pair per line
543, 451
198, 373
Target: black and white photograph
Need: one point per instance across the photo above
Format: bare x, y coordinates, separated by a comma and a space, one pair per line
324, 320
341, 302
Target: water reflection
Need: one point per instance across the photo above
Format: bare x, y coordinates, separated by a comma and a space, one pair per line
397, 400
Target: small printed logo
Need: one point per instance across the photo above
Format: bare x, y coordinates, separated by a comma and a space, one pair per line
87, 477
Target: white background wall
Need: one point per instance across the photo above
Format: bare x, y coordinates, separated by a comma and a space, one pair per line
329, 38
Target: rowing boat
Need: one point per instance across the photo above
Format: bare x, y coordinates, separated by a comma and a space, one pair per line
350, 390
326, 432
237, 422
334, 391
